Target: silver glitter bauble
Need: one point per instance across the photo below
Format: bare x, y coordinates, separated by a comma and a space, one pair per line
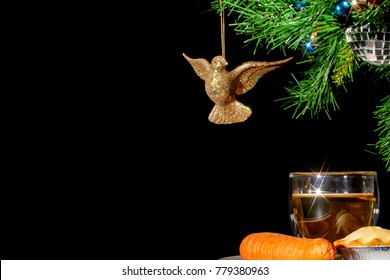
372, 47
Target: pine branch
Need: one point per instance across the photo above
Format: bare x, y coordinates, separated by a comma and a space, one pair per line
332, 67
377, 16
278, 24
383, 129
275, 22
380, 73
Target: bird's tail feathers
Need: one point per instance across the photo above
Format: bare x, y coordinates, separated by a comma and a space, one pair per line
233, 112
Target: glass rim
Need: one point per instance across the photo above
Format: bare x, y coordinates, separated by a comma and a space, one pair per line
331, 173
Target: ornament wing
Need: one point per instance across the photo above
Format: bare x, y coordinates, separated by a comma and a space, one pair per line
200, 65
246, 75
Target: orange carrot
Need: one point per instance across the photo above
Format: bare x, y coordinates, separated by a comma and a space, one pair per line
277, 246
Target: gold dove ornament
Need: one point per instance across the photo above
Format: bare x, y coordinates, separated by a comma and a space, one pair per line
223, 86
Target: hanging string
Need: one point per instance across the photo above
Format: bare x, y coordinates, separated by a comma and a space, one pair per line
222, 28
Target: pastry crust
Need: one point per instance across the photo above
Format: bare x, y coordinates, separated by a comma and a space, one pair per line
365, 236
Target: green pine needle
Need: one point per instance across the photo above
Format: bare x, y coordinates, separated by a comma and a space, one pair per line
383, 129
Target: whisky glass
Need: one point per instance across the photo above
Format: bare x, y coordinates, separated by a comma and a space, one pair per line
331, 205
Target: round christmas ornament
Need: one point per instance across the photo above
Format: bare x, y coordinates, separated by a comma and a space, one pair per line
359, 5
375, 2
310, 45
300, 5
342, 8
372, 47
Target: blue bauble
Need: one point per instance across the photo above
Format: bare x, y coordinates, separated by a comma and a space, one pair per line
342, 8
309, 48
300, 5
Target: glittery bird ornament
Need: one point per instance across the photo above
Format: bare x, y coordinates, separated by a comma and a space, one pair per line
223, 86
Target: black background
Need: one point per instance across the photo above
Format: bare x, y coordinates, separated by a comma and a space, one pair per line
121, 162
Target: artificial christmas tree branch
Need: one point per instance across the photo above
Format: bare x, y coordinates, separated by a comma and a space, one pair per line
383, 145
316, 29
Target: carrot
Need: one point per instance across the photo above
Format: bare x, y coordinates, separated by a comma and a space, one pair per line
277, 246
